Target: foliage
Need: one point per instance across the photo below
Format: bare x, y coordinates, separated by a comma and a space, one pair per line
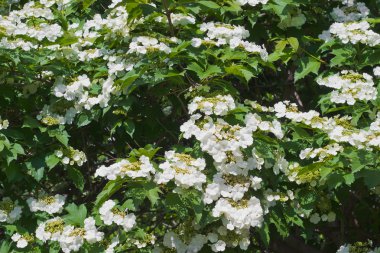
189, 126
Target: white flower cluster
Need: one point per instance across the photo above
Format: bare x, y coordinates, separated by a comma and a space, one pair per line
70, 238
148, 239
71, 156
117, 64
50, 229
219, 34
224, 142
185, 170
49, 204
181, 19
321, 153
315, 218
4, 123
172, 241
14, 25
178, 19
350, 86
272, 197
337, 128
21, 240
48, 117
142, 168
219, 105
347, 248
355, 12
60, 3
352, 32
228, 186
145, 44
109, 213
224, 33
9, 210
376, 71
239, 215
17, 43
79, 92
221, 238
251, 2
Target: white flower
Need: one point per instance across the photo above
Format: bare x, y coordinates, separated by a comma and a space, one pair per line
9, 210
110, 214
71, 239
181, 19
196, 242
22, 241
251, 2
183, 169
344, 249
4, 124
352, 32
112, 245
239, 215
354, 12
195, 42
350, 86
50, 229
376, 71
144, 44
315, 218
92, 235
218, 246
142, 168
219, 105
49, 204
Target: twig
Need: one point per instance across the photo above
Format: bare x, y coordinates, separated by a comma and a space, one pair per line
168, 16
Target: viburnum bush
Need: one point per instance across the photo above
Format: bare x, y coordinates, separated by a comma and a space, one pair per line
190, 126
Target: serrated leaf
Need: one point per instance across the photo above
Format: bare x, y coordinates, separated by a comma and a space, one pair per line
307, 65
76, 214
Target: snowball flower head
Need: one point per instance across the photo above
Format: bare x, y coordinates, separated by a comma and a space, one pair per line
49, 204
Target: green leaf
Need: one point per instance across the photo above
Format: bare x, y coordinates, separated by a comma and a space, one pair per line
61, 136
173, 203
241, 71
109, 189
67, 39
371, 177
209, 4
5, 247
52, 160
307, 65
129, 127
293, 43
264, 234
152, 193
76, 214
77, 177
83, 120
279, 221
204, 73
88, 3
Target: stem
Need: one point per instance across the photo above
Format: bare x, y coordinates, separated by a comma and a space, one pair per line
168, 14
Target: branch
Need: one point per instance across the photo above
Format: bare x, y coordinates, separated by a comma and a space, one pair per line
168, 14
